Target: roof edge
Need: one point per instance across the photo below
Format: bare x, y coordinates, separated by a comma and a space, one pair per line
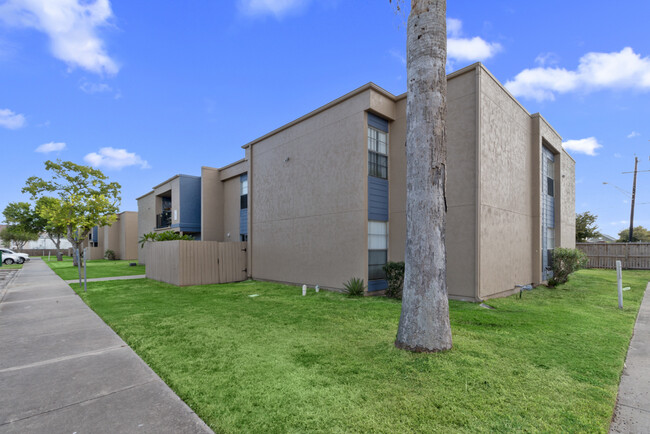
339, 100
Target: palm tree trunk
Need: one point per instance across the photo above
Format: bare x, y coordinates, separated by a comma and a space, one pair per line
424, 322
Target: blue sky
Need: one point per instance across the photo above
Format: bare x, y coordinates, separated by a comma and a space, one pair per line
146, 90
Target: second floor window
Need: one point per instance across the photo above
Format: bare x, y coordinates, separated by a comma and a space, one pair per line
377, 153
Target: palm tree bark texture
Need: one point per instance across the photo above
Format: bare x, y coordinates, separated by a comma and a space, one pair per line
424, 321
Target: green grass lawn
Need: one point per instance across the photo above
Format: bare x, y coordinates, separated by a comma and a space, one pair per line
96, 268
11, 267
280, 362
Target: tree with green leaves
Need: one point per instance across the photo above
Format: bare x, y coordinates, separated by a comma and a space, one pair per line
85, 198
639, 234
22, 224
586, 226
55, 232
31, 220
21, 214
17, 235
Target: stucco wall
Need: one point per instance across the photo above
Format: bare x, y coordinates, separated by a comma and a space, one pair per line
506, 177
461, 184
129, 235
230, 209
112, 237
146, 220
309, 212
568, 202
211, 205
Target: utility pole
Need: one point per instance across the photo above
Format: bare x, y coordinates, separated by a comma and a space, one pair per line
636, 163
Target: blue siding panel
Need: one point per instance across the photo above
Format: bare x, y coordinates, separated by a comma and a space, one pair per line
377, 122
377, 199
377, 285
243, 221
190, 204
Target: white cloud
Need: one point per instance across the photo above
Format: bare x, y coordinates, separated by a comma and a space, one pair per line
71, 26
112, 158
633, 134
544, 59
50, 147
467, 49
454, 27
459, 48
617, 155
617, 70
11, 120
95, 87
583, 146
273, 7
399, 56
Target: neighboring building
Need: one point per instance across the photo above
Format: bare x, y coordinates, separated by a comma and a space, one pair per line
323, 198
602, 238
44, 242
212, 207
121, 237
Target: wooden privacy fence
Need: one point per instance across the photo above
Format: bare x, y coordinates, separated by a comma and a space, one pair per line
633, 256
184, 263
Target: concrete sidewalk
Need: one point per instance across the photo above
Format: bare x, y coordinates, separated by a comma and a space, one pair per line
104, 279
62, 369
632, 413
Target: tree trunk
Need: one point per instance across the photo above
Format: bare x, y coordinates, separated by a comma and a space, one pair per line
424, 322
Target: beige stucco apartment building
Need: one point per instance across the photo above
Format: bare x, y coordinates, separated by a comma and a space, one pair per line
322, 199
120, 237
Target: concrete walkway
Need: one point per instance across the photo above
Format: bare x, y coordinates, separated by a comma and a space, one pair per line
62, 369
632, 413
104, 279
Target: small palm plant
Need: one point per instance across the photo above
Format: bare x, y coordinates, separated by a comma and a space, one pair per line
354, 287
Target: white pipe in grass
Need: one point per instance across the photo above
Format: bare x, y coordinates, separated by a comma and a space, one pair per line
304, 289
619, 277
317, 288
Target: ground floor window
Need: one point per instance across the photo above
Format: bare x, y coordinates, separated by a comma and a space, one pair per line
377, 249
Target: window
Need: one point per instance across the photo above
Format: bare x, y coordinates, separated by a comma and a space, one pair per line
243, 192
243, 207
550, 175
377, 153
377, 249
244, 186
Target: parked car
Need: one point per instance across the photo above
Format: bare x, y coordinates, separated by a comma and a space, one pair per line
9, 257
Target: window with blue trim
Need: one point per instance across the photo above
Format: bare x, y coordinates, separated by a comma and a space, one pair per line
243, 207
377, 153
377, 249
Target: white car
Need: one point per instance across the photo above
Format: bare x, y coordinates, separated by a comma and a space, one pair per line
9, 257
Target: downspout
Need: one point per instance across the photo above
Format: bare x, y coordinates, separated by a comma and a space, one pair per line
477, 239
249, 245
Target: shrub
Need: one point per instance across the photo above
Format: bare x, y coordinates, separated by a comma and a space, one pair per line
110, 255
355, 287
395, 277
164, 236
565, 262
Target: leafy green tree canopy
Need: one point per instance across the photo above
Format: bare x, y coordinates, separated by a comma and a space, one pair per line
22, 215
638, 234
17, 235
84, 198
586, 226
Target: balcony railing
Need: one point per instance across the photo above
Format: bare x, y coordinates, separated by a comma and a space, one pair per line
164, 219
